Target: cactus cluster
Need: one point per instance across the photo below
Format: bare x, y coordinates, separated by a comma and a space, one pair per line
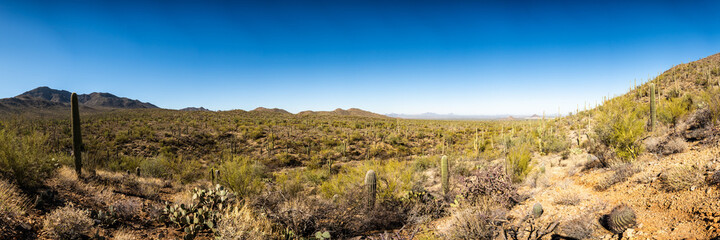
77, 136
445, 175
620, 219
203, 213
371, 188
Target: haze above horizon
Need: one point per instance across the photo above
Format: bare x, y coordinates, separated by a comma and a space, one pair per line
407, 57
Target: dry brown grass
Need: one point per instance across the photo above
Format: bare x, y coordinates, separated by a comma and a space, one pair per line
243, 223
124, 234
67, 223
12, 202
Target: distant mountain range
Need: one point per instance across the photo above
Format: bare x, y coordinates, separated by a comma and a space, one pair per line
435, 116
45, 98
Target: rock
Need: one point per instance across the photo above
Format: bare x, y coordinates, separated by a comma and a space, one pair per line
629, 233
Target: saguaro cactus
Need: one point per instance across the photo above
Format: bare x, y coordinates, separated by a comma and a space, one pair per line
371, 187
445, 175
77, 136
653, 110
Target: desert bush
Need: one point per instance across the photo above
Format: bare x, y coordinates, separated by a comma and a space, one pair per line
621, 173
674, 109
581, 227
475, 223
654, 144
675, 145
243, 176
568, 198
23, 159
680, 178
159, 167
290, 183
424, 206
519, 161
67, 223
244, 223
426, 162
395, 179
127, 208
491, 182
620, 127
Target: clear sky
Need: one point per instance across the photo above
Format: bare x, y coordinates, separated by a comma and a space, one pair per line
462, 57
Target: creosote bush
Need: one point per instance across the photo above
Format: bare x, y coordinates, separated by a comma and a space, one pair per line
620, 127
23, 159
243, 176
519, 161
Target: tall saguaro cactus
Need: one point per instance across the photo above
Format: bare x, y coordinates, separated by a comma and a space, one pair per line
445, 175
371, 187
77, 136
653, 110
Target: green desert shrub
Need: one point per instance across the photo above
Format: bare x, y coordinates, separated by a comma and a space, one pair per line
519, 161
395, 179
159, 167
620, 127
243, 176
671, 111
23, 158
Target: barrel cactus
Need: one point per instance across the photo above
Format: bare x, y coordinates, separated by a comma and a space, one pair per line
371, 187
445, 175
620, 219
77, 136
537, 210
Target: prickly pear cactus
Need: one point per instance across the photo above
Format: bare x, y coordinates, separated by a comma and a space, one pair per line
77, 136
620, 219
537, 210
371, 187
203, 213
445, 175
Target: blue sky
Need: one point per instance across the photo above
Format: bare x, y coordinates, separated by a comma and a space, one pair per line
462, 57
